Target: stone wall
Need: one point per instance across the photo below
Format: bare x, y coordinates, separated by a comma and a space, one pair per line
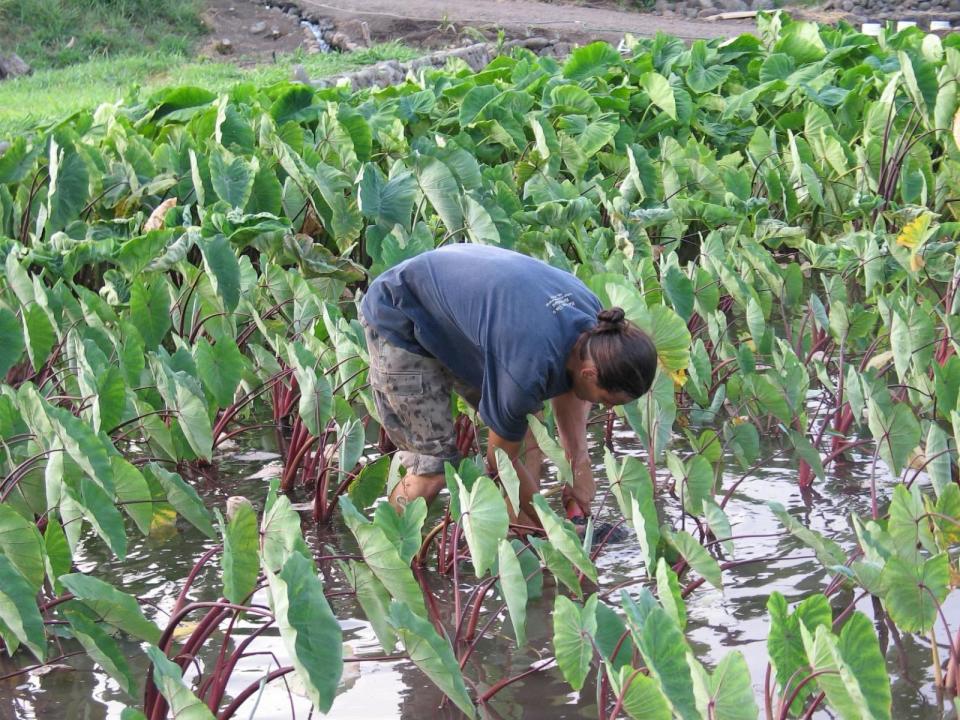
864, 10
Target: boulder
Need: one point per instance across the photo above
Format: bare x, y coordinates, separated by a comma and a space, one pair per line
224, 46
258, 28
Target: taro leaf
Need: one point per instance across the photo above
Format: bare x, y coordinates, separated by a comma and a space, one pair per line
374, 600
948, 508
280, 534
660, 92
223, 269
697, 557
68, 189
473, 103
19, 615
513, 585
12, 347
573, 630
551, 448
292, 104
370, 483
57, 556
169, 681
184, 499
679, 290
308, 628
912, 591
383, 558
785, 644
802, 42
17, 160
231, 176
350, 438
719, 524
909, 526
508, 479
184, 395
150, 310
531, 568
111, 400
98, 508
220, 367
388, 202
133, 493
87, 450
484, 520
807, 452
557, 564
938, 458
316, 398
727, 694
631, 484
21, 543
39, 335
744, 440
664, 651
102, 648
828, 551
403, 530
668, 590
478, 223
112, 606
852, 672
240, 560
700, 77
595, 59
610, 631
129, 713
564, 539
897, 433
642, 697
438, 184
432, 654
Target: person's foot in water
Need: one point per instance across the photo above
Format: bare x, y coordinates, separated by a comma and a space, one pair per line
602, 531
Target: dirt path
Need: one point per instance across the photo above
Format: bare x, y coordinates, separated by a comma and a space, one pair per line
575, 23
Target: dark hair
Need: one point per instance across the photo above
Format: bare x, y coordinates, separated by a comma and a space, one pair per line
625, 356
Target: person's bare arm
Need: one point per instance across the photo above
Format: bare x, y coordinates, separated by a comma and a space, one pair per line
571, 415
529, 486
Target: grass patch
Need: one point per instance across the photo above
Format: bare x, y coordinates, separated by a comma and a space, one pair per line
52, 94
57, 33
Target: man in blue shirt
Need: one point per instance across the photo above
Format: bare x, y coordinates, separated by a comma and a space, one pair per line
508, 332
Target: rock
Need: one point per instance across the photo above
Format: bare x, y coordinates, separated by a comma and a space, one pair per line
847, 5
224, 46
258, 28
12, 66
763, 5
923, 5
300, 74
4, 146
954, 5
275, 33
733, 5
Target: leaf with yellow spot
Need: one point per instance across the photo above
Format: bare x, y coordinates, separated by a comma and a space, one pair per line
912, 234
679, 377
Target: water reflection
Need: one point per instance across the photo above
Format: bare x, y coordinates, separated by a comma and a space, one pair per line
718, 622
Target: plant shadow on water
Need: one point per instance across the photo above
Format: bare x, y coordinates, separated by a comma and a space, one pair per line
718, 622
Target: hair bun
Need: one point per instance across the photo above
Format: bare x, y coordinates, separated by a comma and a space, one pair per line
610, 319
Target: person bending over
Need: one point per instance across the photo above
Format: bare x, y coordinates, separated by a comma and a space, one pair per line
507, 332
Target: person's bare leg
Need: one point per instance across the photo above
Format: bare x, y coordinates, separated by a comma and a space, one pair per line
411, 487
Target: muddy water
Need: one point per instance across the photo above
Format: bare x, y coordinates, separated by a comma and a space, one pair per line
718, 622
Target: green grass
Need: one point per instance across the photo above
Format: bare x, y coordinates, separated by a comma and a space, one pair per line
52, 94
58, 33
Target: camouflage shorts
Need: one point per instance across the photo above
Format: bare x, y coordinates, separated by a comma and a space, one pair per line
412, 394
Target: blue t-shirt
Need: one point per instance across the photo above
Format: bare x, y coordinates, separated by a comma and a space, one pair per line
501, 321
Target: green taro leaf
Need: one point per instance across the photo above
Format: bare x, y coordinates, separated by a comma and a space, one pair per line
483, 515
509, 479
169, 681
660, 92
39, 335
220, 367
383, 558
727, 694
19, 615
223, 269
642, 697
697, 557
573, 630
591, 60
133, 493
404, 530
370, 484
112, 606
912, 591
308, 628
68, 188
280, 534
669, 593
564, 539
562, 569
150, 310
23, 546
664, 651
58, 557
184, 499
437, 182
897, 434
12, 347
828, 551
374, 600
432, 654
552, 449
785, 644
103, 649
231, 176
513, 585
240, 560
389, 202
